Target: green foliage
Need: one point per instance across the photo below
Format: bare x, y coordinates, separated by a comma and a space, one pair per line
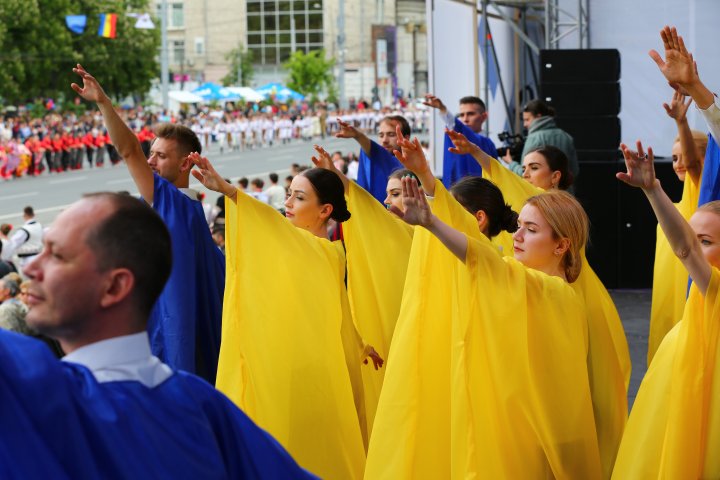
240, 59
311, 73
38, 52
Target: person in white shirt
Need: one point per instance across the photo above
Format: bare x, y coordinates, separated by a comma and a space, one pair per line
25, 242
276, 194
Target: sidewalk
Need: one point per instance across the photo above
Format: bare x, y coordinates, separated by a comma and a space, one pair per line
634, 309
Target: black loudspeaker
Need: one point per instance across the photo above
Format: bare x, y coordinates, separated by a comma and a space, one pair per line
583, 87
579, 66
592, 133
621, 249
582, 99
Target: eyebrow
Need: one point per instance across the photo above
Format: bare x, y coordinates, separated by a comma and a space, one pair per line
529, 223
533, 163
297, 191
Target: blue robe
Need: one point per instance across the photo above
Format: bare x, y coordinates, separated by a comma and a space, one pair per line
710, 185
185, 325
373, 171
58, 422
457, 166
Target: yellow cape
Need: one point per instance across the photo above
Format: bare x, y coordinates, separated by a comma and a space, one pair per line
674, 427
378, 247
670, 279
608, 362
288, 357
411, 433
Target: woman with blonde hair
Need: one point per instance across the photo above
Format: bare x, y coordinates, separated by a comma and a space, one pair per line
670, 279
608, 362
520, 391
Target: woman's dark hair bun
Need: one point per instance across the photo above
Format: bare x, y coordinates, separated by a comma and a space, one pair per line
340, 215
509, 221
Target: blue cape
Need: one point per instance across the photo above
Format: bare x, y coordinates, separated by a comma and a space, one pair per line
710, 185
185, 325
58, 422
373, 171
457, 166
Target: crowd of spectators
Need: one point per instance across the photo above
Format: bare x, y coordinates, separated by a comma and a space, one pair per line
59, 142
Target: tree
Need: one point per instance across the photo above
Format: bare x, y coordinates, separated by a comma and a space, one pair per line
241, 60
37, 51
310, 73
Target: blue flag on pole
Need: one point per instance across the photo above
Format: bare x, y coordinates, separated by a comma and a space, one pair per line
76, 23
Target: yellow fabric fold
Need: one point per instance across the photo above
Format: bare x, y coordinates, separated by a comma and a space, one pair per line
378, 248
411, 433
609, 365
522, 376
288, 352
674, 427
670, 279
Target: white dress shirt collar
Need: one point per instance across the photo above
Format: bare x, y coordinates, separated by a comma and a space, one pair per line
126, 358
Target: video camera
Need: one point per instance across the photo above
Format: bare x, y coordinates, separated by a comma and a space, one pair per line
512, 143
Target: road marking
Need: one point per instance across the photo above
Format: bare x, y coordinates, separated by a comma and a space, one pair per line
19, 195
122, 180
67, 180
37, 210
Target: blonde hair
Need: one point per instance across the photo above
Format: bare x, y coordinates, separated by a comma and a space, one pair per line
568, 219
712, 207
700, 139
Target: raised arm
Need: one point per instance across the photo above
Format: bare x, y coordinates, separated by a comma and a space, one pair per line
464, 146
677, 110
683, 240
206, 174
122, 137
323, 160
349, 131
679, 68
417, 212
412, 157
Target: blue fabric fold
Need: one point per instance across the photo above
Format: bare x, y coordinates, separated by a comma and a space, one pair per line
457, 166
185, 324
374, 170
58, 422
710, 184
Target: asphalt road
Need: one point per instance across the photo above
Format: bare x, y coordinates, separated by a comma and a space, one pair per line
50, 194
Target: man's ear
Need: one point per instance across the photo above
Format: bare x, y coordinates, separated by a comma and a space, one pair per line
119, 286
185, 164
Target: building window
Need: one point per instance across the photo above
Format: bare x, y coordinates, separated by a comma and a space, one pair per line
275, 27
177, 50
175, 14
199, 45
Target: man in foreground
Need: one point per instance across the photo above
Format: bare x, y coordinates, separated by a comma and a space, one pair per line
111, 409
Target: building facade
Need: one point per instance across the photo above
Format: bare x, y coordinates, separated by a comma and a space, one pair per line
383, 48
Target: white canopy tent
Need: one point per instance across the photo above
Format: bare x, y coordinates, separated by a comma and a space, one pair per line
247, 94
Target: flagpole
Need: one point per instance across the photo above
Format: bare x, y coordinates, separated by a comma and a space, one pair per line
164, 68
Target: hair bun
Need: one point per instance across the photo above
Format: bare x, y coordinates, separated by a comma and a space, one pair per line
509, 219
340, 215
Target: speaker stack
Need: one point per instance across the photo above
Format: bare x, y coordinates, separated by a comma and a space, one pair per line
584, 88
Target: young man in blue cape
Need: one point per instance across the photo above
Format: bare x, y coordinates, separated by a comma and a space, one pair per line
469, 122
111, 409
376, 161
185, 323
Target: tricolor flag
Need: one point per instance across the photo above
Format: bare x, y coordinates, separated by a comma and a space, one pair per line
108, 22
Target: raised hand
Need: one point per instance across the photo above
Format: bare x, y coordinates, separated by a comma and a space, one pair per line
346, 130
678, 107
417, 211
434, 102
461, 145
640, 167
411, 154
91, 89
678, 67
206, 174
323, 159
